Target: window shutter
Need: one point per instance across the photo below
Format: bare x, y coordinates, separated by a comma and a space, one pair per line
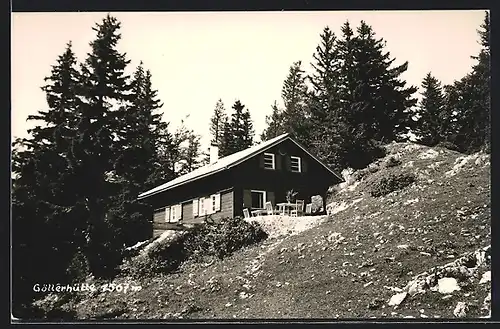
195, 207
278, 159
288, 163
217, 202
270, 197
208, 206
261, 158
247, 199
201, 207
179, 211
167, 214
303, 164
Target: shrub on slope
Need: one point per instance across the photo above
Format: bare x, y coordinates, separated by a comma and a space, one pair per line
207, 240
391, 183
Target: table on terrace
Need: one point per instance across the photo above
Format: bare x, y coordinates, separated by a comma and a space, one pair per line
259, 212
283, 206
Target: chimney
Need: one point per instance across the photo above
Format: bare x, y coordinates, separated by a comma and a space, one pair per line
214, 153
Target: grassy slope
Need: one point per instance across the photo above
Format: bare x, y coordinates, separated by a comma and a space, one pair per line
325, 272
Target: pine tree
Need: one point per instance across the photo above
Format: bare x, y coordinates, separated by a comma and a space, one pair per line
324, 99
142, 133
325, 77
292, 118
387, 102
167, 150
191, 153
247, 131
59, 120
431, 111
45, 221
138, 161
226, 141
217, 122
275, 123
94, 151
469, 101
175, 151
482, 73
484, 33
238, 132
358, 99
294, 95
349, 145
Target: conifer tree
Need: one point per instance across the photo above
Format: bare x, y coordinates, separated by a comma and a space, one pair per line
226, 141
191, 153
217, 122
325, 77
387, 100
469, 101
241, 128
274, 122
138, 162
42, 193
292, 118
324, 99
431, 111
94, 152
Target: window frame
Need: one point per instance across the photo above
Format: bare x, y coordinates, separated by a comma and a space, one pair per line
264, 196
197, 208
173, 217
201, 205
212, 198
299, 163
273, 157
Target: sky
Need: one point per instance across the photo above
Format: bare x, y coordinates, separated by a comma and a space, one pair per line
196, 58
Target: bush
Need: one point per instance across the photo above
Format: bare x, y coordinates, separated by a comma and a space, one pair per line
392, 161
391, 183
372, 168
448, 145
210, 239
78, 267
360, 174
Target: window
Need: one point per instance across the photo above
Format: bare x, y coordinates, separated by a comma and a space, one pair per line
172, 214
295, 164
269, 161
213, 204
258, 199
206, 205
217, 201
195, 207
202, 207
175, 213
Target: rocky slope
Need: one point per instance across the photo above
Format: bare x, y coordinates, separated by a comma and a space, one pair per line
408, 236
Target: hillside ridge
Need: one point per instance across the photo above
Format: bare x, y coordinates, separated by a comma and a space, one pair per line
394, 231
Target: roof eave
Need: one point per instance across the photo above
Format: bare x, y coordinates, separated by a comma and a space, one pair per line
181, 183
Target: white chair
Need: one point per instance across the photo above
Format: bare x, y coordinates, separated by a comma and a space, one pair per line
299, 208
246, 213
269, 209
309, 208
